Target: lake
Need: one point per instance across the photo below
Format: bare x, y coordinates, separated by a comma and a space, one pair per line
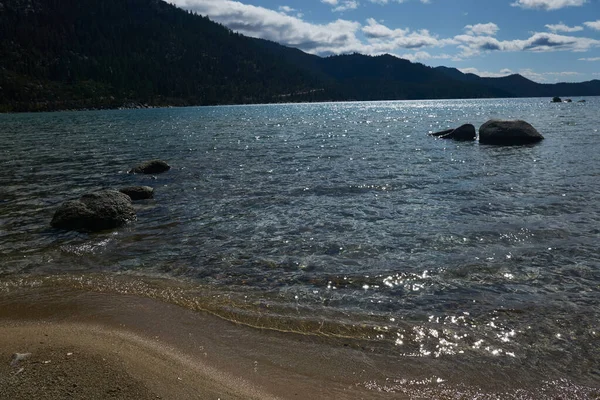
337, 220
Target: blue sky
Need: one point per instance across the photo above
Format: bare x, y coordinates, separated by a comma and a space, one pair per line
545, 40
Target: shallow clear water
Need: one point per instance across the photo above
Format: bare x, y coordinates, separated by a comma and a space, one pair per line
341, 214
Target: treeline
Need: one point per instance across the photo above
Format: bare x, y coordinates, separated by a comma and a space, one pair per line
58, 54
75, 54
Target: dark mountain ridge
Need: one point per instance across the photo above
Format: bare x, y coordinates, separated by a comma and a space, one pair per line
519, 86
75, 54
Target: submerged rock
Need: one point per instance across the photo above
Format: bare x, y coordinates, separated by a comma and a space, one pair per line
138, 192
508, 133
441, 133
151, 167
463, 133
93, 212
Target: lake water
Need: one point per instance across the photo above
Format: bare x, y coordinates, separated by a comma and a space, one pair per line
341, 220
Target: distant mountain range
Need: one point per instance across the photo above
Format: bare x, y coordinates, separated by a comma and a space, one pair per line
76, 54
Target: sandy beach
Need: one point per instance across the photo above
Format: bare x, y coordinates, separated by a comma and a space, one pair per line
59, 343
53, 351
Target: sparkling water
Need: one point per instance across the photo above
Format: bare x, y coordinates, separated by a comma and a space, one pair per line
338, 219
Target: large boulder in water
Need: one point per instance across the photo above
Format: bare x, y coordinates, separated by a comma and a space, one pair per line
93, 212
508, 133
151, 167
138, 192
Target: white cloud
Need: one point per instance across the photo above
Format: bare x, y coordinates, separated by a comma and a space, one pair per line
593, 24
548, 4
376, 30
346, 5
486, 74
424, 56
590, 59
332, 38
346, 36
560, 27
330, 2
482, 29
538, 42
382, 39
383, 2
286, 9
548, 76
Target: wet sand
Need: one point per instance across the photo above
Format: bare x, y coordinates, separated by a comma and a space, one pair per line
92, 345
89, 345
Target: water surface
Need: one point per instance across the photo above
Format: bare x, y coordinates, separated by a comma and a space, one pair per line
337, 219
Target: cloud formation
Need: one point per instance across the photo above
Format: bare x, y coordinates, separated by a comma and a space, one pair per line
560, 27
482, 29
593, 25
287, 26
548, 5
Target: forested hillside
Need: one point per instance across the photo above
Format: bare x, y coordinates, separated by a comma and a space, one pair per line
75, 54
99, 53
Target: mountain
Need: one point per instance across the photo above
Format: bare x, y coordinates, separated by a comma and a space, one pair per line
75, 54
103, 53
519, 86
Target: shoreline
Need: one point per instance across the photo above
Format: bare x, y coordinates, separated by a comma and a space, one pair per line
136, 347
84, 344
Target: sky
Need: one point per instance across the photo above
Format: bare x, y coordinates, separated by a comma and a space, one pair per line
544, 40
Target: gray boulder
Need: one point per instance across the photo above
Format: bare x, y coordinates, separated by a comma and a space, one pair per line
508, 133
138, 192
151, 167
93, 212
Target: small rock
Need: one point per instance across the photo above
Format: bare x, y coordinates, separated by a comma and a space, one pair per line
151, 167
556, 100
138, 192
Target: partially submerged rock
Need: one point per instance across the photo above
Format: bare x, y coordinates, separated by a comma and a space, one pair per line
138, 192
441, 133
151, 167
556, 100
508, 133
463, 133
93, 212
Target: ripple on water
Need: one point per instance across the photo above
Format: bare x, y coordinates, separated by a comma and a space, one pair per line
338, 218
